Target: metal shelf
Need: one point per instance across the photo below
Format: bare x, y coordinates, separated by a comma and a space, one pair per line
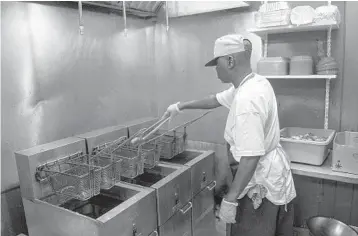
291, 29
313, 77
323, 172
265, 32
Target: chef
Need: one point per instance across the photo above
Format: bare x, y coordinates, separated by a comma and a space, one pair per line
259, 199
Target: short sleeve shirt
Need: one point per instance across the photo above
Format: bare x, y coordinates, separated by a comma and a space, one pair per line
252, 129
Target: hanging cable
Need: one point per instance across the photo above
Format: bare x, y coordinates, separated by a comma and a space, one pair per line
125, 18
81, 27
167, 14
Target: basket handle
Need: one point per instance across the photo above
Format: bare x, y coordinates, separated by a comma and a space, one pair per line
142, 132
156, 128
211, 186
188, 207
110, 145
181, 126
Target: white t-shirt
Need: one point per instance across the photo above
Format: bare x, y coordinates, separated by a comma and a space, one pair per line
252, 129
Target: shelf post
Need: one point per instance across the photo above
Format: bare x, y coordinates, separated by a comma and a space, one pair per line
329, 41
326, 103
328, 81
265, 45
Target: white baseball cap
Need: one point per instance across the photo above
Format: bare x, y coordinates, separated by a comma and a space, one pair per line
226, 45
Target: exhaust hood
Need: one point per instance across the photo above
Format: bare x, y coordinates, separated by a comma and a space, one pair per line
142, 9
186, 8
151, 9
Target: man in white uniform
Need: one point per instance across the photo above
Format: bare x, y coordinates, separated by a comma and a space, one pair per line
259, 200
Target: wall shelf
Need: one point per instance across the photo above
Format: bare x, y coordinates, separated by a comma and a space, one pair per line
308, 77
291, 29
323, 172
264, 34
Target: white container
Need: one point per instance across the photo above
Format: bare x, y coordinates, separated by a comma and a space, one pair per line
304, 151
327, 15
302, 15
272, 18
345, 152
301, 65
273, 66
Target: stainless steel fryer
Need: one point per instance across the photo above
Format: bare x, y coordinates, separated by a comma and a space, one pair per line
173, 189
201, 164
125, 209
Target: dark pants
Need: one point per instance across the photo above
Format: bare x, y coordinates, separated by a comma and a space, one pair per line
267, 220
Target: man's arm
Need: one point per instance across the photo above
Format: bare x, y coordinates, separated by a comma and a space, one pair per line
207, 103
243, 176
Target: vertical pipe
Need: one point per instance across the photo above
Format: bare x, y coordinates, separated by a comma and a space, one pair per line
167, 14
125, 18
81, 27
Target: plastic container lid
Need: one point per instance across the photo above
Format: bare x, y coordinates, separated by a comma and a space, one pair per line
301, 58
275, 59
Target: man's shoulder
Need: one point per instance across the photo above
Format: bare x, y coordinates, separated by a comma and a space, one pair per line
259, 79
255, 91
255, 86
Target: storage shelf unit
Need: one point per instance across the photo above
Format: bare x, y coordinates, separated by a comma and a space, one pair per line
265, 32
306, 77
291, 29
324, 172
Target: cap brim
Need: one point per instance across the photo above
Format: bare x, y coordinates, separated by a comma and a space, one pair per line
213, 62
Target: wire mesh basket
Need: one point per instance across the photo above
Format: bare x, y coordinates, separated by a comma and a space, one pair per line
110, 167
149, 151
74, 180
171, 143
132, 161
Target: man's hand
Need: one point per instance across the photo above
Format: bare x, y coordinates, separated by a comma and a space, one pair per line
172, 111
228, 212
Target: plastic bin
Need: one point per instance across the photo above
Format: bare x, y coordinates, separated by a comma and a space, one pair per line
345, 152
306, 151
273, 66
301, 65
